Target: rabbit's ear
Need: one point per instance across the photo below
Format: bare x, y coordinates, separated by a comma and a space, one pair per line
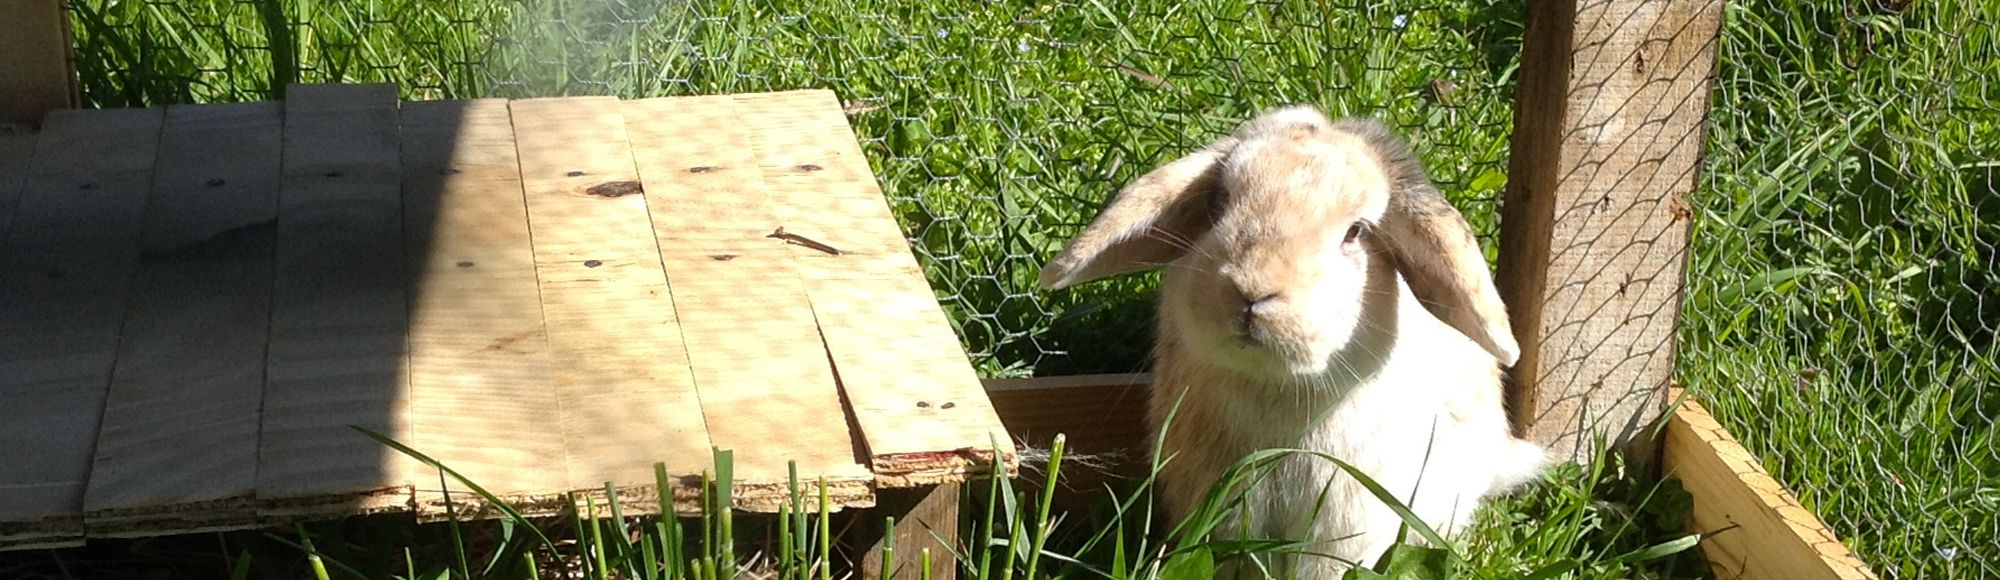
1151, 222
1435, 250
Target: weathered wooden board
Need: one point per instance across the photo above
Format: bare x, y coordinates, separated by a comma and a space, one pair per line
1609, 115
15, 151
177, 449
1759, 530
338, 313
915, 395
713, 221
480, 367
545, 295
622, 380
70, 258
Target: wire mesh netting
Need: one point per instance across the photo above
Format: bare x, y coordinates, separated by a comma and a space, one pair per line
1843, 298
1844, 294
997, 129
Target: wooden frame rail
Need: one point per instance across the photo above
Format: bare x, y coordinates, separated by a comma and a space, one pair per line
1753, 528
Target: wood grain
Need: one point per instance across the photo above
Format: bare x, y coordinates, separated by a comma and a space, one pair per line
69, 261
1610, 113
15, 152
1759, 530
767, 389
483, 394
913, 391
927, 518
622, 381
338, 312
37, 74
177, 449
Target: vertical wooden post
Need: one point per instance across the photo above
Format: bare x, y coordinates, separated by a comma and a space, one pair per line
37, 74
926, 518
1607, 144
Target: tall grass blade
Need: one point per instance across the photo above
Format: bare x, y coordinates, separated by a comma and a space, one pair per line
1042, 523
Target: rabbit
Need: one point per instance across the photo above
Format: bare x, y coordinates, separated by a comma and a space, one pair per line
1320, 294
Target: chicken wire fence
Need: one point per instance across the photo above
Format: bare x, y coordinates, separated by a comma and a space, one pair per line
996, 129
1841, 308
1844, 289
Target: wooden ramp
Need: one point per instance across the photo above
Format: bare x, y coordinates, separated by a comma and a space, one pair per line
201, 306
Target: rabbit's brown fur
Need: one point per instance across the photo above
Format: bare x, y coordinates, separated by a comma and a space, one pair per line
1324, 296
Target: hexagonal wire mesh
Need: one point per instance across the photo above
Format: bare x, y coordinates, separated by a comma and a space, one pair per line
1844, 289
1842, 305
996, 128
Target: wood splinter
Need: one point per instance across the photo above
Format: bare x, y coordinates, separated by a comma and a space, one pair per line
804, 241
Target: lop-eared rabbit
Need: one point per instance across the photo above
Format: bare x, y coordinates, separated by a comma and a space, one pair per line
1322, 295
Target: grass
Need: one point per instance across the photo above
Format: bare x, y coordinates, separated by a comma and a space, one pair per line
1843, 291
997, 128
1585, 524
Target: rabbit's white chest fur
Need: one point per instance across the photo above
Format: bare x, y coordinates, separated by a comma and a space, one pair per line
1289, 319
1419, 410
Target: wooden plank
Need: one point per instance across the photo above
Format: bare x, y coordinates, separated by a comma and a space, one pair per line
480, 369
1760, 532
177, 450
926, 520
1756, 530
37, 73
767, 390
338, 311
1609, 122
914, 393
1101, 415
70, 257
15, 152
621, 371
1103, 420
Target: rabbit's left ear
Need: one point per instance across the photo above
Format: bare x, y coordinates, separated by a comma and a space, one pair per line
1152, 221
1436, 252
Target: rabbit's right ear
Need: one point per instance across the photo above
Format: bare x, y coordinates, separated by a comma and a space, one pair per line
1152, 221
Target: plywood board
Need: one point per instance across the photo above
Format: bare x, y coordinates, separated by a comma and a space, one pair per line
338, 311
15, 152
740, 300
1758, 529
626, 395
501, 285
914, 393
69, 261
482, 396
177, 449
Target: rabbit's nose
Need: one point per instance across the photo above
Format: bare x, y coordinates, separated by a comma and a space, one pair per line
1253, 306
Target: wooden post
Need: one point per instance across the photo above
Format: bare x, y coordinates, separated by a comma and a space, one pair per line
926, 518
37, 73
1607, 145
